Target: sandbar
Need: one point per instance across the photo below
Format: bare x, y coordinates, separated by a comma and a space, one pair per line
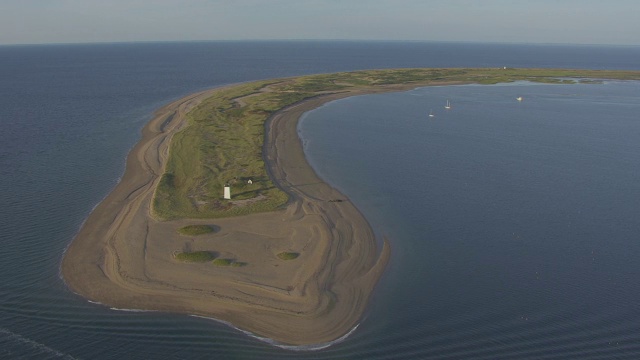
122, 256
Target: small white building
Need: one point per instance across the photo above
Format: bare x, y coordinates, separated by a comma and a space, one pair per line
227, 192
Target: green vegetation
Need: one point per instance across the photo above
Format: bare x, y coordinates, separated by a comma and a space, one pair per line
222, 144
223, 262
288, 255
223, 141
195, 256
194, 230
207, 256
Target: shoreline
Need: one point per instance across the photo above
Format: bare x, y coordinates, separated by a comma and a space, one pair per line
121, 259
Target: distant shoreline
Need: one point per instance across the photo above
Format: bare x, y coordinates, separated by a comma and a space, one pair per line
122, 256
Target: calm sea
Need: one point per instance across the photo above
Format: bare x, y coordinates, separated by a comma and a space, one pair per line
513, 224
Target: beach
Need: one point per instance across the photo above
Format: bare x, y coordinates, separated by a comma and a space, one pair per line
124, 258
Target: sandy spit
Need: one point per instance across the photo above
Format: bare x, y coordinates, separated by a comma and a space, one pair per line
123, 258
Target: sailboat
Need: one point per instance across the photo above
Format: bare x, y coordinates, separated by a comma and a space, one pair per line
519, 98
431, 113
448, 106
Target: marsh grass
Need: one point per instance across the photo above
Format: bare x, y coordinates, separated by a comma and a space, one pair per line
194, 230
223, 262
196, 256
287, 255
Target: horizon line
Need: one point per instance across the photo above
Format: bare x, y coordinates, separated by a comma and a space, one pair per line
315, 40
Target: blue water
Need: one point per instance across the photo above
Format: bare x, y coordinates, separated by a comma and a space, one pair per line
512, 224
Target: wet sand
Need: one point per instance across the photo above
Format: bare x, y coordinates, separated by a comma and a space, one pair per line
124, 258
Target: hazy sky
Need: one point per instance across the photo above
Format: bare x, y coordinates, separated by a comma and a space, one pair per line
520, 21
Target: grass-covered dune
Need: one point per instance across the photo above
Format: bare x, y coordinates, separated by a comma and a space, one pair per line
194, 230
195, 256
222, 143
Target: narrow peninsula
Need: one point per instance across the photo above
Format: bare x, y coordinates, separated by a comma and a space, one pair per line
283, 254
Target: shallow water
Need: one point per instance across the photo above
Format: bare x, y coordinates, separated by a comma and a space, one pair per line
70, 113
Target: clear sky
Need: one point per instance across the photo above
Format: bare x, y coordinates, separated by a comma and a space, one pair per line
519, 21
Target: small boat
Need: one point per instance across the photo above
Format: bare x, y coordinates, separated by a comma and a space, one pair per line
431, 113
448, 106
519, 98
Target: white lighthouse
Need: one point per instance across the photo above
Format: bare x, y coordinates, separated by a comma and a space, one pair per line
227, 192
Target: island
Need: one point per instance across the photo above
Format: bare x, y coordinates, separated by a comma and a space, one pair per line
219, 215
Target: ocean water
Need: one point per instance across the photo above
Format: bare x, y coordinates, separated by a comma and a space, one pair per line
513, 225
